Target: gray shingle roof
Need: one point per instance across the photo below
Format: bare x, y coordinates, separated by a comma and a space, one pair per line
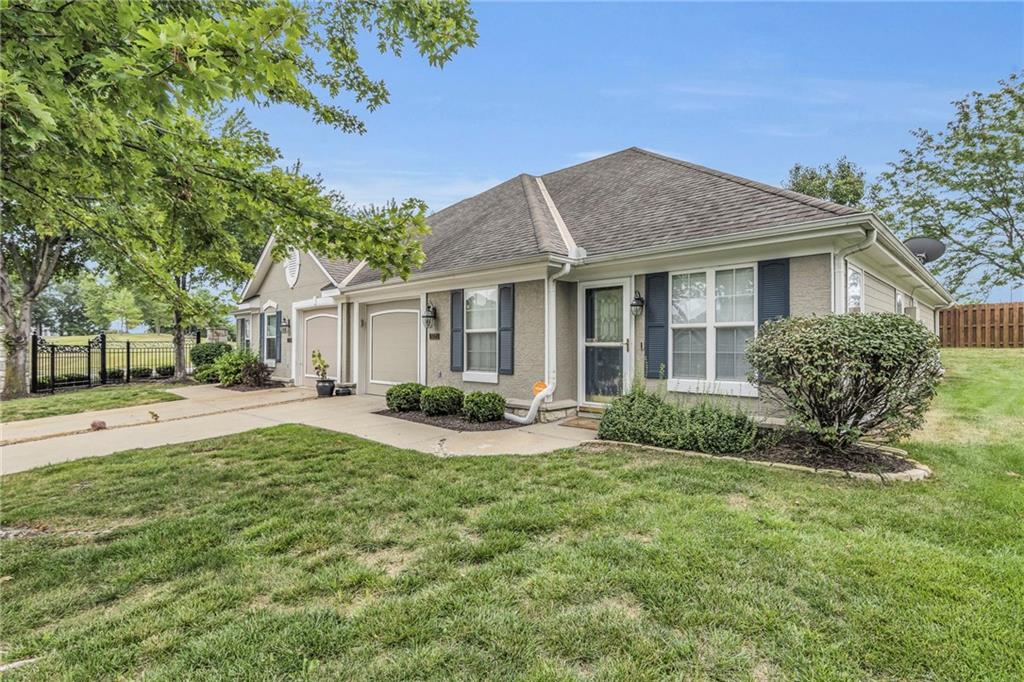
621, 202
337, 269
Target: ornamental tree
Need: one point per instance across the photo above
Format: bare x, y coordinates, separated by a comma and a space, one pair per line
965, 187
100, 103
844, 377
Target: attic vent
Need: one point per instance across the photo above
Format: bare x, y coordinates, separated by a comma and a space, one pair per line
291, 267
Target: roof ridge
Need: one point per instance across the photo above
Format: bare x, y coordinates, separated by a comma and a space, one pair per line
539, 215
814, 202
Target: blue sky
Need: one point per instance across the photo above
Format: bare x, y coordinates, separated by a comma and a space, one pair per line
745, 88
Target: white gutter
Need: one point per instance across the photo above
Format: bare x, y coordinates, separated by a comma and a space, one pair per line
839, 274
550, 349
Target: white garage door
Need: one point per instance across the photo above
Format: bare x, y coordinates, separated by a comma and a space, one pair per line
319, 332
394, 348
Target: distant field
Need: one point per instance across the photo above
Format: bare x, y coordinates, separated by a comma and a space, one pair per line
80, 340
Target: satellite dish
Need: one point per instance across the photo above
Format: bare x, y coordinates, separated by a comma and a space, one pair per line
925, 248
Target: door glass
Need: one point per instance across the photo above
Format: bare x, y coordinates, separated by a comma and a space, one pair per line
604, 315
604, 335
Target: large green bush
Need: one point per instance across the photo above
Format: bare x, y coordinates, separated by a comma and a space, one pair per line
404, 397
483, 407
207, 353
843, 377
240, 366
643, 417
441, 400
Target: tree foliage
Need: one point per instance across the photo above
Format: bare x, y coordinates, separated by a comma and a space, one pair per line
104, 114
965, 187
840, 183
60, 311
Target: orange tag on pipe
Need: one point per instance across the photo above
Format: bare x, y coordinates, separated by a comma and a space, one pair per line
538, 387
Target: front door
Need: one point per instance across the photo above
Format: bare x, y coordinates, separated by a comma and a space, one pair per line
605, 342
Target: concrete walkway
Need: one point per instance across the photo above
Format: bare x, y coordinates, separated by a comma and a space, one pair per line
350, 414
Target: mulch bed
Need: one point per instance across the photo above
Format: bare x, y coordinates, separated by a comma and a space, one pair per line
244, 389
800, 448
453, 422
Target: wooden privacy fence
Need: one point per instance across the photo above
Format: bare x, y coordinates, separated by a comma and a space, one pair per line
983, 325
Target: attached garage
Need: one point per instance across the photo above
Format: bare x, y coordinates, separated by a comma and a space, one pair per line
392, 344
319, 332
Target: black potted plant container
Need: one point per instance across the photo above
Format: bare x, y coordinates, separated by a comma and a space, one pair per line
324, 386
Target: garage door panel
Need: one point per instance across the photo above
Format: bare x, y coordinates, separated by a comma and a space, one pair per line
320, 332
393, 348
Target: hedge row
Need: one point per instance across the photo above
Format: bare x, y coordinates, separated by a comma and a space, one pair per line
476, 406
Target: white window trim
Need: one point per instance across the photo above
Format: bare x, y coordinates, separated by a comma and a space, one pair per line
247, 329
267, 317
478, 376
711, 325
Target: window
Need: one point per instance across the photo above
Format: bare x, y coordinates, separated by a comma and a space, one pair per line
854, 288
245, 333
713, 319
903, 301
270, 338
481, 335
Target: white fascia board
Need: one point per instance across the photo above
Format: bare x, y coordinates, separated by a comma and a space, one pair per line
899, 252
257, 269
535, 267
322, 268
350, 276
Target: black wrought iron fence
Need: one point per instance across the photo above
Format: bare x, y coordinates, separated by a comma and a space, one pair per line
101, 361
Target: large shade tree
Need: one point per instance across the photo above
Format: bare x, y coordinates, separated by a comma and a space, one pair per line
98, 98
965, 187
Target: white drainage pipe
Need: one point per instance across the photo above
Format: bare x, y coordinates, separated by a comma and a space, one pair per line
531, 416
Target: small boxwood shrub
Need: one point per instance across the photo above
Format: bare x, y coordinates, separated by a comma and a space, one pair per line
205, 354
844, 377
644, 417
483, 407
142, 372
114, 375
165, 371
441, 400
404, 397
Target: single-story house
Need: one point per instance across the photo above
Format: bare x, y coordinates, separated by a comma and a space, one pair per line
630, 267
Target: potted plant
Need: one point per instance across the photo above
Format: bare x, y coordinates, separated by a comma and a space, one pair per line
324, 386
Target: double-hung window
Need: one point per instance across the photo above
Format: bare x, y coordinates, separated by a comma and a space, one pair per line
246, 333
481, 362
270, 339
903, 301
713, 317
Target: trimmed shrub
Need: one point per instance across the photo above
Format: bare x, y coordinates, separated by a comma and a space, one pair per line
404, 397
165, 371
115, 375
72, 378
142, 372
483, 407
207, 374
229, 367
441, 400
645, 418
205, 354
844, 377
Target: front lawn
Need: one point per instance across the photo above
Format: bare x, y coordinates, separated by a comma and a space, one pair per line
84, 400
295, 552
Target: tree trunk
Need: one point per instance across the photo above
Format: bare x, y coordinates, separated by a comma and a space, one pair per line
179, 333
17, 332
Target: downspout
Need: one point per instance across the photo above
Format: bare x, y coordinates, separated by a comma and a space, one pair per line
551, 350
839, 278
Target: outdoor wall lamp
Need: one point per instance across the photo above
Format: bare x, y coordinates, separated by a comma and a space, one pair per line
286, 324
429, 316
637, 306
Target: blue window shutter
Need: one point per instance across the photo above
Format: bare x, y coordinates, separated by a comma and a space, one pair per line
772, 290
458, 309
277, 325
506, 328
263, 335
656, 325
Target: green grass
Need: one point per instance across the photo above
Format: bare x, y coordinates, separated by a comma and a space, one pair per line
84, 400
292, 552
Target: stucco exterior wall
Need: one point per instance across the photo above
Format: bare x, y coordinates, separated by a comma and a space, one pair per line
810, 285
879, 297
566, 339
529, 345
274, 287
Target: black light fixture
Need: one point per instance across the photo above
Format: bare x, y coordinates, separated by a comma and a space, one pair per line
637, 306
429, 315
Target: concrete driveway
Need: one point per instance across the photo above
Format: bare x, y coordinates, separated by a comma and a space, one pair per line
212, 415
